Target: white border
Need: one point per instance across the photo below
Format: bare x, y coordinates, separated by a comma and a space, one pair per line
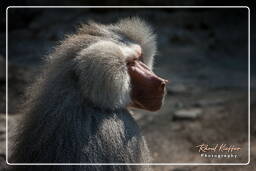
155, 164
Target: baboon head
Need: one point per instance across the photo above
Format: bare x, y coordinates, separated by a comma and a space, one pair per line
114, 62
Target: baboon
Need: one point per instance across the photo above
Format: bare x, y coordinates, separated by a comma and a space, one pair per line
77, 110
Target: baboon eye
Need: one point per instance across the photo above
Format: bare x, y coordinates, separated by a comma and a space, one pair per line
130, 63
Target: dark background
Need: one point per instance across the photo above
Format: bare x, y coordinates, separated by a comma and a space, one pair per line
203, 52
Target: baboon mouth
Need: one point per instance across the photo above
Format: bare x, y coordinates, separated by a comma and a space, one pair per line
150, 98
149, 103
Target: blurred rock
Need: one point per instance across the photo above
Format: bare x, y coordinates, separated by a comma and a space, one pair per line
178, 105
191, 113
177, 127
209, 102
176, 88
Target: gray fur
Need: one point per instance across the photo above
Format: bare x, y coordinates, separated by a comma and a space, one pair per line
76, 112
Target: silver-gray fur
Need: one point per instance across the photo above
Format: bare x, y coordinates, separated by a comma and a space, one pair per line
76, 112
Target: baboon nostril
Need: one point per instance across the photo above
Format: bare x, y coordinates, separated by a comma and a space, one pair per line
162, 84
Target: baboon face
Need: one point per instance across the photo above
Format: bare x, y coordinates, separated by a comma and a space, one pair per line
115, 70
148, 89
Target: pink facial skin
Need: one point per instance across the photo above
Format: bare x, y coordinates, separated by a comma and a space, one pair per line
148, 89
